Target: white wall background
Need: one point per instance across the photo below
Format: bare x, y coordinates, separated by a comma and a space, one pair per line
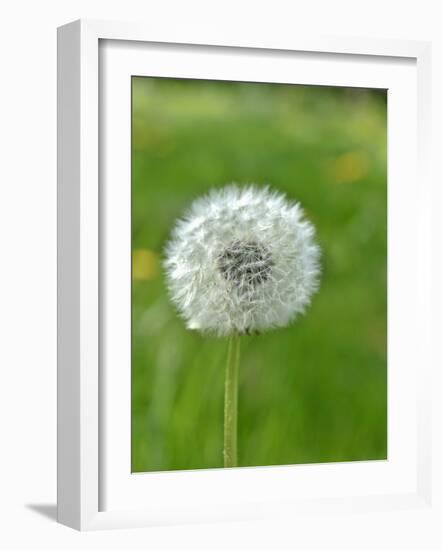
28, 262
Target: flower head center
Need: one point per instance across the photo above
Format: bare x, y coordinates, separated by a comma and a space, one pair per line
246, 264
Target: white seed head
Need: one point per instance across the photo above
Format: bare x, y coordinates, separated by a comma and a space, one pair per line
243, 259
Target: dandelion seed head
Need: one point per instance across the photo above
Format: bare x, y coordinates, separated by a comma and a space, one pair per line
242, 259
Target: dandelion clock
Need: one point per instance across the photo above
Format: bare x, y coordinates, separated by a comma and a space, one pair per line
242, 260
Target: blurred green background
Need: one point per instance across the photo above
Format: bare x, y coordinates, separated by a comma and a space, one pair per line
317, 390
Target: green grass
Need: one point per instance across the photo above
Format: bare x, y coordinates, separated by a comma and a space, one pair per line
315, 391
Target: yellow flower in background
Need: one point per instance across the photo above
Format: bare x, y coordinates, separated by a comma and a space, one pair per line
349, 167
145, 264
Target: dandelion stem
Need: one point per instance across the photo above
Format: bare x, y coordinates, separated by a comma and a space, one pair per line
231, 403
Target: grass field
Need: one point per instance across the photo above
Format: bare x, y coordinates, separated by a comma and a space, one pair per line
317, 390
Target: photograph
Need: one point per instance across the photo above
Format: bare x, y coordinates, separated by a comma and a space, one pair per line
259, 274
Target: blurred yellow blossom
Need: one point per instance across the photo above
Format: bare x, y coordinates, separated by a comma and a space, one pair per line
349, 167
145, 264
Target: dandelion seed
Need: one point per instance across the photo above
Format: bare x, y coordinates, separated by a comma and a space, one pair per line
243, 259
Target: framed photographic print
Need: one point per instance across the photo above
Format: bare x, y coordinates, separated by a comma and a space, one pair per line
243, 291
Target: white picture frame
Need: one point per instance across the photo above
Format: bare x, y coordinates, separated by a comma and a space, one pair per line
95, 492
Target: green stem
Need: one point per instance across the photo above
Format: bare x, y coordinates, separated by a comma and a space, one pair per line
231, 403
